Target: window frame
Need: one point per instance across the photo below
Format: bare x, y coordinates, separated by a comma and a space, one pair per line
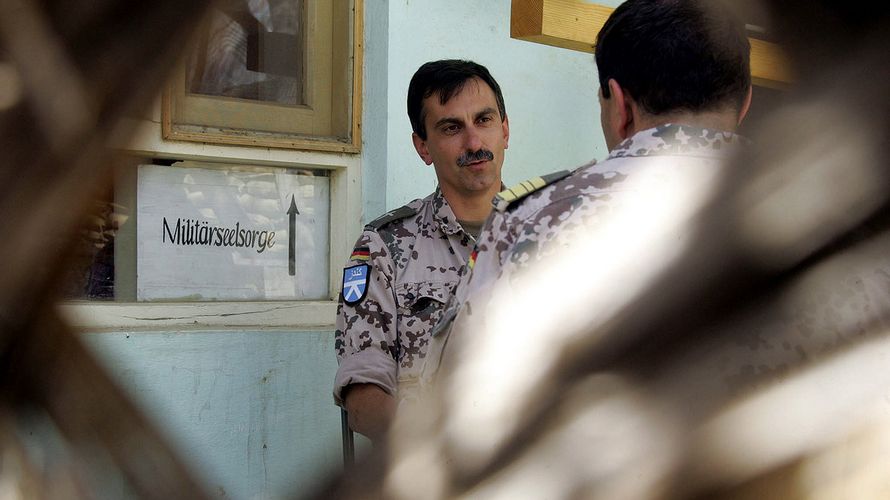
331, 120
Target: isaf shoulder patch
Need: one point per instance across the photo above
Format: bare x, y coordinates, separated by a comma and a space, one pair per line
355, 283
511, 195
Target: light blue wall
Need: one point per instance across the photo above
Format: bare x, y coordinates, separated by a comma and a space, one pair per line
550, 93
250, 412
375, 125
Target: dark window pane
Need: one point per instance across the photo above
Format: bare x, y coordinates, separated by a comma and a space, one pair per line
251, 50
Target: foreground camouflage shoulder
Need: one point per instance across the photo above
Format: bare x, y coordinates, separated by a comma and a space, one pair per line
511, 195
530, 228
674, 139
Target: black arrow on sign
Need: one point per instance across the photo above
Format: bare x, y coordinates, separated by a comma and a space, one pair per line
292, 212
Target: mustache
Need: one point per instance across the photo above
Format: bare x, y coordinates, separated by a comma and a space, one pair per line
471, 156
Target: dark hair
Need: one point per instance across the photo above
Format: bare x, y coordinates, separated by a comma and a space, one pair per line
445, 78
673, 55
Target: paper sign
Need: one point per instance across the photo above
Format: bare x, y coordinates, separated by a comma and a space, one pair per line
231, 234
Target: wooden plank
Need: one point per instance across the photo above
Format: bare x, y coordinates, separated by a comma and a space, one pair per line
769, 66
526, 19
358, 64
574, 24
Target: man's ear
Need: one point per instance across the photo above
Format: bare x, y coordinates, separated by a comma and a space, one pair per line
621, 114
422, 150
746, 105
505, 125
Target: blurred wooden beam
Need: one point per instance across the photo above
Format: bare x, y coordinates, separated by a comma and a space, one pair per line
569, 24
79, 67
54, 370
574, 24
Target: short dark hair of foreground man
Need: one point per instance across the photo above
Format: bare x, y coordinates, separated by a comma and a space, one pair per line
684, 58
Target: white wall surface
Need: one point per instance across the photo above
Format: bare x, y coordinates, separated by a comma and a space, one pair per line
249, 412
550, 93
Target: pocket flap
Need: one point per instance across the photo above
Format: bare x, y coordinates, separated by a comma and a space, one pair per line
419, 296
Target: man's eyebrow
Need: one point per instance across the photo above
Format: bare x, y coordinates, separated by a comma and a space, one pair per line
486, 111
448, 120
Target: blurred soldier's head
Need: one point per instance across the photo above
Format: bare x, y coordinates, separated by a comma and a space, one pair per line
460, 125
663, 61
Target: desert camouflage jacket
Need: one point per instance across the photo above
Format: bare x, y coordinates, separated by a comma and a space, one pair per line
660, 169
400, 275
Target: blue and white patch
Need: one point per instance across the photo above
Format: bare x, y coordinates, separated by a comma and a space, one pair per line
355, 283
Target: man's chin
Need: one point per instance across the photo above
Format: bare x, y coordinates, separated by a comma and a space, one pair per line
482, 183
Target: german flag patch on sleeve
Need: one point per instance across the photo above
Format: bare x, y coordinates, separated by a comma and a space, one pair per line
361, 254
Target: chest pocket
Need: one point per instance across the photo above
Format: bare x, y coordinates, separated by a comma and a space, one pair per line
420, 307
423, 300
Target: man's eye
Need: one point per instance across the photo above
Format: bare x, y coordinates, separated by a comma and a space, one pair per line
451, 129
485, 119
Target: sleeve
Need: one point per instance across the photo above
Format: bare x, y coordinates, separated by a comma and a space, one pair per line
365, 338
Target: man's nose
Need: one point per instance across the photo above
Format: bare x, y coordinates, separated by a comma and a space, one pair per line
472, 140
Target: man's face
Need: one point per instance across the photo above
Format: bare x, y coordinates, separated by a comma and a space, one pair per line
465, 140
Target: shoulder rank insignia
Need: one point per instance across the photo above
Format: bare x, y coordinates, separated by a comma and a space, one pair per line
355, 283
513, 194
391, 216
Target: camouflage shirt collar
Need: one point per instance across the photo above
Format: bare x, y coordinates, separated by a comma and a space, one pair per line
672, 138
443, 215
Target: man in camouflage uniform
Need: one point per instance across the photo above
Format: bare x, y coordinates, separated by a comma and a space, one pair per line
406, 263
674, 85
